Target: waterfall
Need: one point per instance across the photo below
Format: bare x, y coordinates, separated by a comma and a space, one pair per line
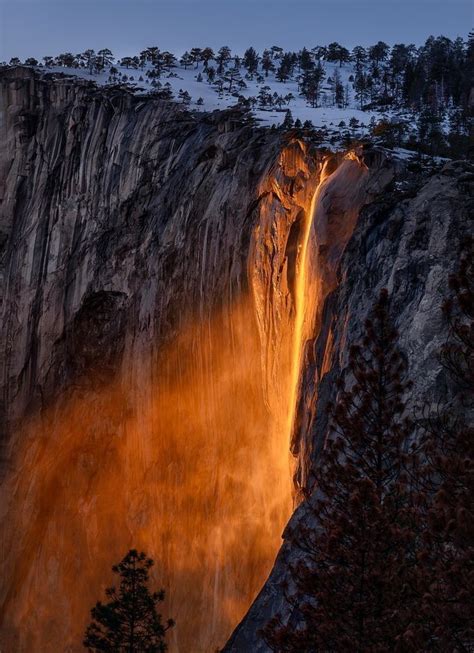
306, 298
185, 454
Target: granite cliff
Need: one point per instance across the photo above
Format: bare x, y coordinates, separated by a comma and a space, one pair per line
174, 309
407, 241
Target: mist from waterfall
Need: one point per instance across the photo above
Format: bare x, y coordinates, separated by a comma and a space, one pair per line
185, 455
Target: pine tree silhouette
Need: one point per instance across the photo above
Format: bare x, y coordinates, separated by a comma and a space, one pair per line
129, 622
352, 589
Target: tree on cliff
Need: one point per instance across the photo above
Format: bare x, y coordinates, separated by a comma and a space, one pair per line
196, 55
353, 588
129, 622
105, 58
311, 84
337, 52
207, 54
233, 78
184, 97
288, 121
251, 60
223, 57
186, 60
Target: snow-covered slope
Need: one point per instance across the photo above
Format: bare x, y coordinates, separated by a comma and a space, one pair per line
206, 97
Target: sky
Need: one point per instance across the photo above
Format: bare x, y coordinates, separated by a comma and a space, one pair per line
48, 27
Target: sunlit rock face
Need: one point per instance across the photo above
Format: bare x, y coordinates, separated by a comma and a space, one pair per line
145, 398
407, 241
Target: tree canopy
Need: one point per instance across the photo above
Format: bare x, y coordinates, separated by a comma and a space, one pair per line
129, 621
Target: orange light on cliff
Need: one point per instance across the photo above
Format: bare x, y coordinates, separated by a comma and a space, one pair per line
305, 303
184, 461
186, 455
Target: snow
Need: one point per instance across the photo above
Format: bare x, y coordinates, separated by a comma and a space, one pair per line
402, 153
323, 117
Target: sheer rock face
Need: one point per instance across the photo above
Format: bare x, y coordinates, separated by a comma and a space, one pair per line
408, 245
126, 226
104, 199
122, 221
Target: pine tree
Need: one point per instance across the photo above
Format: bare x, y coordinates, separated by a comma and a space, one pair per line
127, 62
105, 58
277, 52
337, 89
353, 589
360, 88
223, 57
186, 60
337, 52
359, 57
151, 55
430, 131
233, 78
68, 60
285, 68
267, 63
211, 74
113, 73
166, 92
168, 60
207, 54
347, 95
129, 621
305, 60
278, 100
196, 56
184, 97
251, 61
311, 84
89, 59
379, 52
288, 121
320, 52
264, 97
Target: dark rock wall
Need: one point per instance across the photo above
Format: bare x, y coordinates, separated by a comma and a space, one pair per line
407, 242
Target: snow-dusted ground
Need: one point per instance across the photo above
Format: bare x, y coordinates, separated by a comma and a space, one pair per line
323, 116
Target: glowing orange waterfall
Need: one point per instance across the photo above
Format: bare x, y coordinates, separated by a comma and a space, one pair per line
185, 455
180, 458
305, 304
335, 206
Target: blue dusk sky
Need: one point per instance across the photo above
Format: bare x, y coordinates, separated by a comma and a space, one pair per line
48, 27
